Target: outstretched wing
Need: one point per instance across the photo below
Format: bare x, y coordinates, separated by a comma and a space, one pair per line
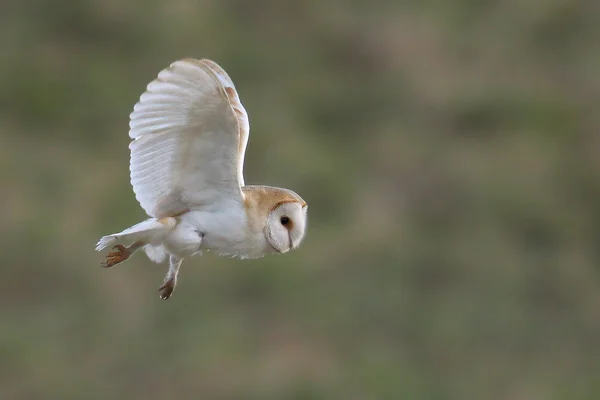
189, 133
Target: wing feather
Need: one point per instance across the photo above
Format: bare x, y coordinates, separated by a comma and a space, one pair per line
189, 132
239, 110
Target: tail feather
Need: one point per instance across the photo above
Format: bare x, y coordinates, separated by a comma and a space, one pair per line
104, 242
148, 231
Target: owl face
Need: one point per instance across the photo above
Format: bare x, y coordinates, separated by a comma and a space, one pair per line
286, 225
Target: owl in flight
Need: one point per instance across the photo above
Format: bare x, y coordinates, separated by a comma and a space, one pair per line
189, 132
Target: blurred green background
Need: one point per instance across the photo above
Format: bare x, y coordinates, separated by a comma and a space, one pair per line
450, 155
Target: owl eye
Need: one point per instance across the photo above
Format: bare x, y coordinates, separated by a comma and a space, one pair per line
284, 220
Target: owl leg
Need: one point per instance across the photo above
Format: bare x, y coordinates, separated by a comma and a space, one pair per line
121, 254
167, 288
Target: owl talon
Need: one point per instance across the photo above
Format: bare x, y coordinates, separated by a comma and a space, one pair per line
167, 288
115, 257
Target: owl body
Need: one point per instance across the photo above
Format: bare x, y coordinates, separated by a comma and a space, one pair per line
222, 232
238, 230
189, 134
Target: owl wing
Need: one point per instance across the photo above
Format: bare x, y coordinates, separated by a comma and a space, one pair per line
189, 132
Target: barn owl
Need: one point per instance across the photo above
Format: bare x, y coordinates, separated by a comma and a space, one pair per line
189, 133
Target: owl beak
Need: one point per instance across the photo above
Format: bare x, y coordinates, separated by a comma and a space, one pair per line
279, 250
286, 249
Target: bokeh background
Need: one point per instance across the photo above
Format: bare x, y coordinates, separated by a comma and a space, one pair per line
449, 152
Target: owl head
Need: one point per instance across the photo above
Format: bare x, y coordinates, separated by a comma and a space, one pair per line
279, 215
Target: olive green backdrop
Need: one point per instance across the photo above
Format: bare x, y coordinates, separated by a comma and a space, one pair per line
450, 155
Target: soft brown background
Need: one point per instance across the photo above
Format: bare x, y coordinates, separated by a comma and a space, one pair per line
449, 152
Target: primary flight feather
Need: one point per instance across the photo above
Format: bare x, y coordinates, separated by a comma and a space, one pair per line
190, 132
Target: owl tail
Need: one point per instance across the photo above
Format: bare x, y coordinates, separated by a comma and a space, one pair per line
149, 232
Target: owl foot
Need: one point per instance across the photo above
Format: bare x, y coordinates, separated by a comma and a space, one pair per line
167, 288
115, 257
